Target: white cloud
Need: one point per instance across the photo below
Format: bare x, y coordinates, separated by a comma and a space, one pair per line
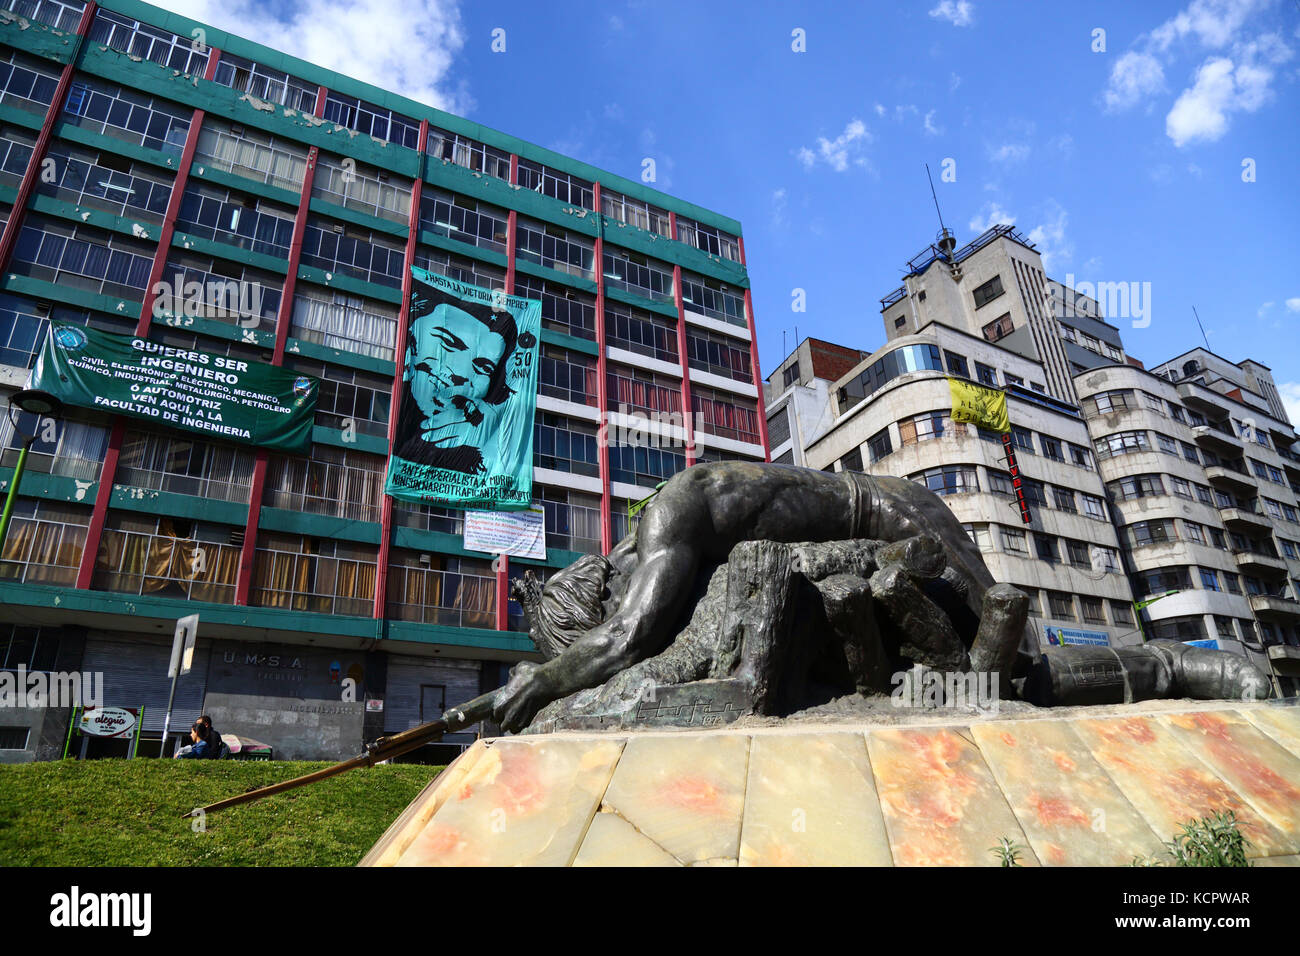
961, 13
1201, 112
880, 109
1133, 77
990, 215
1010, 153
929, 126
778, 208
1290, 395
1050, 238
954, 81
1213, 22
1293, 305
841, 152
1236, 80
1223, 87
1264, 309
356, 38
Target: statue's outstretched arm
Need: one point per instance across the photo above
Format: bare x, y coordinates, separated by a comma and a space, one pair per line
638, 629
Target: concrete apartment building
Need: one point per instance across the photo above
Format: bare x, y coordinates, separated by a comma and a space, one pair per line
979, 313
131, 154
1175, 488
1198, 463
798, 396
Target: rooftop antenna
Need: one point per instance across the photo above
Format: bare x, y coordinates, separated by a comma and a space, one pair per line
947, 241
1203, 335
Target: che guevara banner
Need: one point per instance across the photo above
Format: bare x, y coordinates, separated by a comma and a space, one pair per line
213, 395
464, 435
985, 407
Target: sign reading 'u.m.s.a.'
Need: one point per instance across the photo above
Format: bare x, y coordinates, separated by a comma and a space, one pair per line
465, 423
214, 395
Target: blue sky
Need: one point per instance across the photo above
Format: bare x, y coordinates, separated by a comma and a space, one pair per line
1123, 164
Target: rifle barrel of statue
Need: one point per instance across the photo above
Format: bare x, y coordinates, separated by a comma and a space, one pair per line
384, 748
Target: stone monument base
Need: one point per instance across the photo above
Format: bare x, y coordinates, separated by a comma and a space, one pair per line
1081, 787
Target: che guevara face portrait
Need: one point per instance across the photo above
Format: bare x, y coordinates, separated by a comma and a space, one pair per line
456, 363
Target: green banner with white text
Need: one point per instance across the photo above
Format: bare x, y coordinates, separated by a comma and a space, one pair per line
464, 435
214, 395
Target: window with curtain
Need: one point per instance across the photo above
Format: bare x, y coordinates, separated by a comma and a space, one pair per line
311, 574
345, 322
73, 449
174, 463
251, 154
441, 589
167, 557
44, 543
332, 482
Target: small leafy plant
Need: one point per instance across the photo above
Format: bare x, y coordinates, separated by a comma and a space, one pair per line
1210, 841
1008, 852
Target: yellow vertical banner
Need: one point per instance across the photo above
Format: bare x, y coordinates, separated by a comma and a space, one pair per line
985, 407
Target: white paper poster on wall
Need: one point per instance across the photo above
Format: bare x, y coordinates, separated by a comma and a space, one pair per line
518, 533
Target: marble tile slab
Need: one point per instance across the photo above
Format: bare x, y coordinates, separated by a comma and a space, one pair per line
941, 805
612, 841
523, 802
811, 801
686, 793
1256, 765
1280, 723
1068, 807
1167, 783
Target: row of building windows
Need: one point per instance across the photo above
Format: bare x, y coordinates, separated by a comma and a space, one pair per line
162, 126
1129, 399
1091, 343
1058, 604
1163, 530
263, 226
1045, 547
1187, 577
1152, 485
199, 561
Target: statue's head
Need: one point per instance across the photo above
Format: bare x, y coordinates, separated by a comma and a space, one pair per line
567, 606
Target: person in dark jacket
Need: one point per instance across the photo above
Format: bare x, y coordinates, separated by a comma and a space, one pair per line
219, 748
200, 745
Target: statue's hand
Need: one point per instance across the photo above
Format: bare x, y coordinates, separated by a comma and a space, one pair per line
523, 696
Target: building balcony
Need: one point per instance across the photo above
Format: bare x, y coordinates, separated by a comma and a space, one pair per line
1202, 399
1284, 652
1238, 519
1255, 563
1271, 608
1229, 478
1217, 440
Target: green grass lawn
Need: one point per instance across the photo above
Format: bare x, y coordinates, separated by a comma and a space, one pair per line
127, 813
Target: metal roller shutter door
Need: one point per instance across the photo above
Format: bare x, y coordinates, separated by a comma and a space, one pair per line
135, 673
406, 674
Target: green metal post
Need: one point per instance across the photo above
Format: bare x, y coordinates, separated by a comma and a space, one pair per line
67, 744
13, 493
135, 746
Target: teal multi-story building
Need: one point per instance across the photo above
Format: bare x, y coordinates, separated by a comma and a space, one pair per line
163, 178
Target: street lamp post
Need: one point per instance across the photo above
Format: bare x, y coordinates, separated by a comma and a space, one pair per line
42, 405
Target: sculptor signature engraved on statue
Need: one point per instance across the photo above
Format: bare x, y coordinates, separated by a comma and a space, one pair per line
711, 717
